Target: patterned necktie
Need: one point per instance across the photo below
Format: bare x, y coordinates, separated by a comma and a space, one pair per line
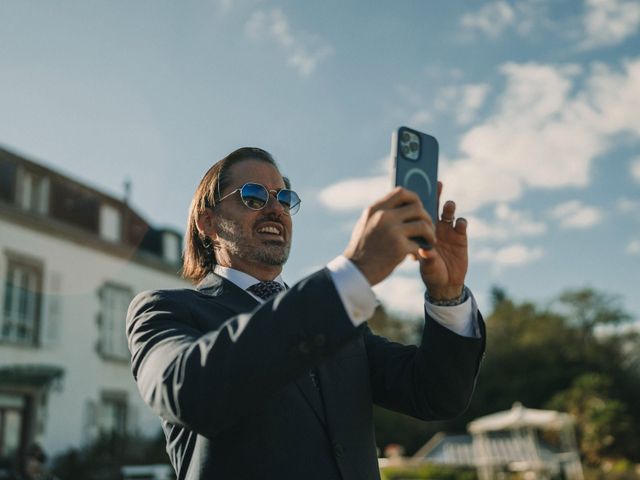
266, 290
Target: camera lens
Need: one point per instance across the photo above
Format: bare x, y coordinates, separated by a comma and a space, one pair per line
405, 150
405, 136
414, 146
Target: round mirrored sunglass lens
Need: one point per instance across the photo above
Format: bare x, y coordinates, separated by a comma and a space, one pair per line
254, 196
289, 200
284, 197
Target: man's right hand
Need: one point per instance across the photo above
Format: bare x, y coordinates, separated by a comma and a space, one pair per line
382, 237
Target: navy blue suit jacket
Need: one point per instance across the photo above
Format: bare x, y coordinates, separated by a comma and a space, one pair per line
228, 376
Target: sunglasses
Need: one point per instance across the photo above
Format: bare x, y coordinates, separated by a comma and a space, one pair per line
256, 197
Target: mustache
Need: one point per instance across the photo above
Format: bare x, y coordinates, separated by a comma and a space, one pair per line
271, 217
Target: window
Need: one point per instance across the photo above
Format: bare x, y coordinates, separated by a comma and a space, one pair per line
21, 312
110, 223
73, 204
171, 247
8, 171
112, 415
34, 192
114, 303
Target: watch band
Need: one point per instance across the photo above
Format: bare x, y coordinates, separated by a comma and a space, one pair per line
450, 302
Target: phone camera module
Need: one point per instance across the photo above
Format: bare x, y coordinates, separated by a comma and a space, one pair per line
410, 145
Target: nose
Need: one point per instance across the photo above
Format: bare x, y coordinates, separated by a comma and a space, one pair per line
273, 204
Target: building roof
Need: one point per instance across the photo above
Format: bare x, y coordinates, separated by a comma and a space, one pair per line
498, 449
39, 198
519, 417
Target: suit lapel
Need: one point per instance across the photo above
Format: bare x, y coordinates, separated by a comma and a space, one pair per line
237, 300
311, 395
227, 293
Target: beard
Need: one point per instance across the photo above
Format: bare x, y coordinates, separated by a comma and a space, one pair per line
240, 244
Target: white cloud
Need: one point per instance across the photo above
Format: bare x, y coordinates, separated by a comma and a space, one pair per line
609, 22
355, 193
492, 19
506, 224
304, 51
627, 205
420, 118
633, 247
513, 255
473, 97
473, 185
546, 131
602, 23
224, 6
532, 137
548, 126
462, 101
634, 168
495, 18
458, 100
402, 293
574, 214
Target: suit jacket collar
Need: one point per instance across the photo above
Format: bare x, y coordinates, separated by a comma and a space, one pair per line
239, 301
227, 293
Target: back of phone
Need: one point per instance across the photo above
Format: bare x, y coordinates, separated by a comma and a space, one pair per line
415, 159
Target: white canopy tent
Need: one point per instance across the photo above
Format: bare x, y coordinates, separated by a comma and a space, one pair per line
510, 441
519, 417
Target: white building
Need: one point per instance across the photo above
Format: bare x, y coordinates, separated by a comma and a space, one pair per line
71, 259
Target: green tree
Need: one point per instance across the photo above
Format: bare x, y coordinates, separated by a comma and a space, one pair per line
535, 352
603, 423
587, 309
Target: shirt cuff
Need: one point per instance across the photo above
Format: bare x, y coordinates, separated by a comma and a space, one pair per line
353, 288
460, 319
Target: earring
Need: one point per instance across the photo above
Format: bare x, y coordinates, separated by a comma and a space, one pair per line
208, 260
206, 242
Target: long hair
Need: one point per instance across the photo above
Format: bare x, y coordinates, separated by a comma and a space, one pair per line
198, 255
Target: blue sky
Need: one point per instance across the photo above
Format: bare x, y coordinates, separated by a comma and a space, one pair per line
536, 105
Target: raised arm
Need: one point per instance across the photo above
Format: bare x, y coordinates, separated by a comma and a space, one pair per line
207, 380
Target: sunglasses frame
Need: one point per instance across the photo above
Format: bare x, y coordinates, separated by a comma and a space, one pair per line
295, 207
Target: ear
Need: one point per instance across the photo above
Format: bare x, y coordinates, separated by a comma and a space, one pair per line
206, 224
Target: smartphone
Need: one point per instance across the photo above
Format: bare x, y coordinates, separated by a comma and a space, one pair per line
415, 162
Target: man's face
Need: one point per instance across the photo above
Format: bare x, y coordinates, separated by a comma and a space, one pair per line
246, 238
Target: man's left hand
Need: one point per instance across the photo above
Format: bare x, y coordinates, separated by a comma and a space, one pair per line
444, 267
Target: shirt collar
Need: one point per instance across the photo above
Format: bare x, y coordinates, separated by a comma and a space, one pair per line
240, 279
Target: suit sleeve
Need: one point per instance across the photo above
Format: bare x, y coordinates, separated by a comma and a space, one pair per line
206, 380
433, 381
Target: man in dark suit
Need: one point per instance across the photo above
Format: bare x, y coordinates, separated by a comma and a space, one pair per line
256, 380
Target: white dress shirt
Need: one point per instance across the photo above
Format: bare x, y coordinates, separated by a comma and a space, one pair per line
360, 302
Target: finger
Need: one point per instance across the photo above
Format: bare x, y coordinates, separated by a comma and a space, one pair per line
449, 211
461, 226
419, 228
395, 198
427, 255
411, 212
440, 186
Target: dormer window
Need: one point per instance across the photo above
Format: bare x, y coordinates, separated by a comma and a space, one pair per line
33, 192
110, 223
